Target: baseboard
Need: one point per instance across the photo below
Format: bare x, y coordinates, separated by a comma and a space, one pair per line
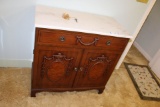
144, 53
157, 73
15, 63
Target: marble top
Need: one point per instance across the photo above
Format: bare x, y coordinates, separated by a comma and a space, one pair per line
51, 18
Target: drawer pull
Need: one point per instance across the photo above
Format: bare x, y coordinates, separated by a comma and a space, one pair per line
108, 43
62, 38
87, 44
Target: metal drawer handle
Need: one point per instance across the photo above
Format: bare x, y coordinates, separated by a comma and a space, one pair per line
87, 44
108, 43
62, 38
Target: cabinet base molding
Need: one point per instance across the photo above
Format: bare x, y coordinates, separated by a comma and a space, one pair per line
34, 91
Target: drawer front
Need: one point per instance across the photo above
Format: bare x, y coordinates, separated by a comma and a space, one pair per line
108, 42
57, 37
61, 37
113, 42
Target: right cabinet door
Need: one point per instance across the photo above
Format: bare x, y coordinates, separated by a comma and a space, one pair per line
96, 68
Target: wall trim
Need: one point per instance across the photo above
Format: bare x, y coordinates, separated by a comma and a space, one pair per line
15, 63
151, 3
144, 53
156, 72
154, 64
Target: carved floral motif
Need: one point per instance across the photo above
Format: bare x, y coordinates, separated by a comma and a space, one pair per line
93, 62
49, 63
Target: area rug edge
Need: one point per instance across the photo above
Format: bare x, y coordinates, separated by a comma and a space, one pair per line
135, 84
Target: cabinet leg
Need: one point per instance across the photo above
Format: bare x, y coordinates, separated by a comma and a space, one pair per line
33, 93
100, 91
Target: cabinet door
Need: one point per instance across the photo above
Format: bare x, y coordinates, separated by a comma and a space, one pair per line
54, 67
96, 68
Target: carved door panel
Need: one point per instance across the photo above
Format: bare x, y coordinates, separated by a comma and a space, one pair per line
56, 66
96, 68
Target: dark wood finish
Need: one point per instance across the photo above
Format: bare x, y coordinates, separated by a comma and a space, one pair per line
95, 68
68, 61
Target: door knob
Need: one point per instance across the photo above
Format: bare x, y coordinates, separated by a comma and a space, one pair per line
76, 69
81, 68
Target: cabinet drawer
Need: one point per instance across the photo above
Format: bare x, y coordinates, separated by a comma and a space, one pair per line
61, 37
112, 42
57, 37
108, 42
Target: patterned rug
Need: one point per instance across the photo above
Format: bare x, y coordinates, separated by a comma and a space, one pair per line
144, 81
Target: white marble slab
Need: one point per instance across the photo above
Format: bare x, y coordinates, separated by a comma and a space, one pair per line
51, 18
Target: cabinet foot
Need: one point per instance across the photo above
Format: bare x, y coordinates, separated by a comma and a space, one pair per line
33, 94
100, 91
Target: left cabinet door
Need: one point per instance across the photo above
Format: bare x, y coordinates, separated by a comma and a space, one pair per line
54, 68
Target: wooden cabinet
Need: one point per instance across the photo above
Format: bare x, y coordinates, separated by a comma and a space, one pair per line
67, 61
